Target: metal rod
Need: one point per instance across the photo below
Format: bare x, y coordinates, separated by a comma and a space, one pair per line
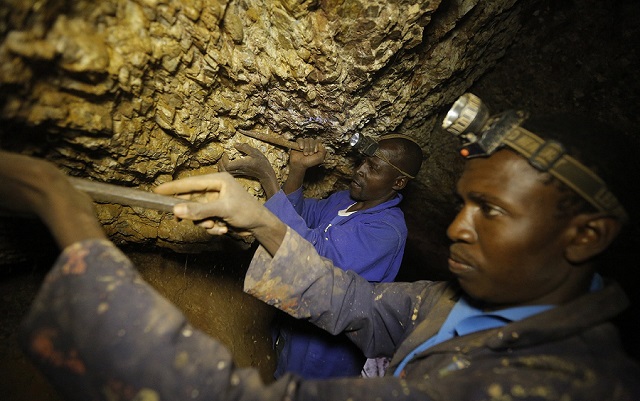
110, 193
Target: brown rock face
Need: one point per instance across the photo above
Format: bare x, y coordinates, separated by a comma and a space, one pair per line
140, 92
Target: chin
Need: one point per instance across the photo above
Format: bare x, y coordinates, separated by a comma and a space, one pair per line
354, 196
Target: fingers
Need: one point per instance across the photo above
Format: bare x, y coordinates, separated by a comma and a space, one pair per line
250, 151
214, 227
224, 163
245, 148
203, 183
309, 146
218, 230
198, 212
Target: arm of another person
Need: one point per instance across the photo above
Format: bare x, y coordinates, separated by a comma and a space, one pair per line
307, 286
254, 164
96, 329
35, 187
299, 271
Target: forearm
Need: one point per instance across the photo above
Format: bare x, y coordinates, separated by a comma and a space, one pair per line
269, 183
307, 286
300, 282
270, 232
97, 329
36, 187
71, 220
294, 179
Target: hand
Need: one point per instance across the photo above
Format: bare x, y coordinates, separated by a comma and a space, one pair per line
37, 187
310, 152
255, 165
223, 202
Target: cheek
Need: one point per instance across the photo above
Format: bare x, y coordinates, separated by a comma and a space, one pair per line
520, 252
504, 251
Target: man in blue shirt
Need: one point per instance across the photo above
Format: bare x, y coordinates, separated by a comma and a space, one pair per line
361, 229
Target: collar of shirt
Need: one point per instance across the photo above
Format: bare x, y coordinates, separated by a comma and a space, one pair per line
465, 318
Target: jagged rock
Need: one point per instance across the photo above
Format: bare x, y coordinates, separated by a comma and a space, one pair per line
138, 92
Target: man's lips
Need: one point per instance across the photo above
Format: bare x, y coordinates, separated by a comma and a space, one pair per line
356, 183
458, 264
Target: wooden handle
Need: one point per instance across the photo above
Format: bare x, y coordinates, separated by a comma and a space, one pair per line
270, 138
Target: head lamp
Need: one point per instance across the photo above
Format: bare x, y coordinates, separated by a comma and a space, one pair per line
482, 135
369, 147
364, 144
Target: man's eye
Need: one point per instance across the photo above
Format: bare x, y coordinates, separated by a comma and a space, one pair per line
490, 210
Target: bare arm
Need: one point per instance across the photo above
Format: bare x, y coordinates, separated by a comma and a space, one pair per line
311, 153
37, 187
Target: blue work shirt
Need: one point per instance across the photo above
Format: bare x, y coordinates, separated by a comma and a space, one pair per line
465, 318
370, 242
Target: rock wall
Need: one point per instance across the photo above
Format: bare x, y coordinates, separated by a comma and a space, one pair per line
137, 92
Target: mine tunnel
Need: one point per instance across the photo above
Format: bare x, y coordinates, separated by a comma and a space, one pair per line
135, 93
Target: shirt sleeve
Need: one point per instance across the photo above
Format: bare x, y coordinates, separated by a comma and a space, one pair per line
98, 331
307, 286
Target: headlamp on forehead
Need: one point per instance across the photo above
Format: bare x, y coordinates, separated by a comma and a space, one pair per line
482, 135
369, 147
364, 144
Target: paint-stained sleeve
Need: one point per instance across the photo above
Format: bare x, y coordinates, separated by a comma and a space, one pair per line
99, 332
307, 286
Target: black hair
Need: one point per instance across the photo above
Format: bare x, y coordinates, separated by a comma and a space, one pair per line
411, 152
607, 151
613, 155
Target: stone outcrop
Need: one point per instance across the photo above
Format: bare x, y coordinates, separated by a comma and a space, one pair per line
138, 92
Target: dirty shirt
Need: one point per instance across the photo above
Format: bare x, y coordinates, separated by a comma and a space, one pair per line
99, 332
369, 242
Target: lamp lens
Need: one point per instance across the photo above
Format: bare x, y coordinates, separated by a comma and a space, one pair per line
354, 139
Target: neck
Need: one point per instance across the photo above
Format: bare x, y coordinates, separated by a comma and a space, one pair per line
368, 204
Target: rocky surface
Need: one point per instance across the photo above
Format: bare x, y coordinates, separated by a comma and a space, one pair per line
139, 92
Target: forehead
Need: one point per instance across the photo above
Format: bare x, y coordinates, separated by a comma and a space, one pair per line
505, 175
390, 150
387, 150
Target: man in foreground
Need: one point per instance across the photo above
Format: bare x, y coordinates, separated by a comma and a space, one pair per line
526, 319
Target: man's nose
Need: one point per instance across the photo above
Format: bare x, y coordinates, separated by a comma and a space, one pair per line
462, 228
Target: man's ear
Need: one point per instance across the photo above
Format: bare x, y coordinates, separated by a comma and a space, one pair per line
591, 235
400, 182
